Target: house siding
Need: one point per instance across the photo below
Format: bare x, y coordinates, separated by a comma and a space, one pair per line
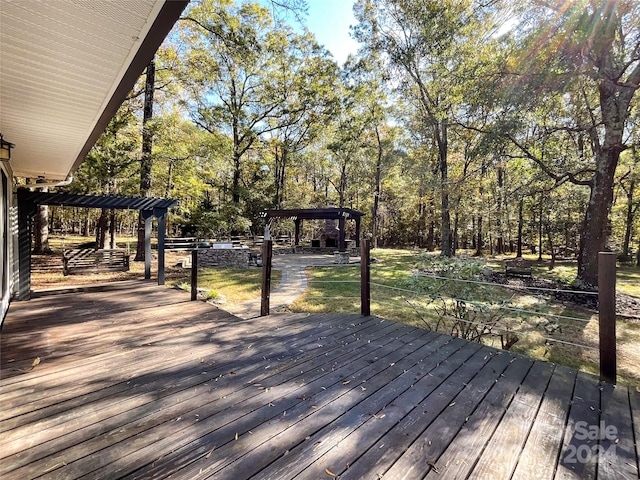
8, 239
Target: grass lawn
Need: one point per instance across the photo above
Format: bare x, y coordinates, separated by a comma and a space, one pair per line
399, 295
236, 284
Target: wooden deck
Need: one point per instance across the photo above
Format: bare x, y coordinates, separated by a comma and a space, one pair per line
141, 383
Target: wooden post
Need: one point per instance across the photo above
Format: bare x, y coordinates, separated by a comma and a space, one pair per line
297, 237
341, 239
161, 236
365, 278
148, 217
194, 274
607, 315
267, 254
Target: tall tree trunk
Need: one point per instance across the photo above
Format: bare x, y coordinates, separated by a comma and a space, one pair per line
431, 232
593, 238
629, 220
479, 237
101, 229
376, 195
540, 230
520, 225
147, 146
500, 238
547, 227
87, 227
446, 237
615, 97
112, 229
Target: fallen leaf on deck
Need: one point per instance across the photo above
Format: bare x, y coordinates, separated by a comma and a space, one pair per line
36, 362
210, 452
330, 473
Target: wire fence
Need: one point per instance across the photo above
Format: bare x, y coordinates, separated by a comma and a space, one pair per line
484, 319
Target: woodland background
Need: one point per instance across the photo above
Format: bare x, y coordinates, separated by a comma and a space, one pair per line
484, 125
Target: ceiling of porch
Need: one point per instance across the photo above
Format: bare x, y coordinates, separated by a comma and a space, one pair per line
65, 67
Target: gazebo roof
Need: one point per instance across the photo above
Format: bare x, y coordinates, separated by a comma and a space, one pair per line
328, 213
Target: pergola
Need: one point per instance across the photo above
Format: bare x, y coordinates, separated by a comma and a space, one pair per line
329, 213
28, 202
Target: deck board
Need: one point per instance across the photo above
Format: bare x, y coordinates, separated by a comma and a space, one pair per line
141, 383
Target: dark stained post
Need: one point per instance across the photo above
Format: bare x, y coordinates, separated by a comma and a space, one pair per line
365, 278
194, 274
297, 224
162, 217
341, 226
357, 232
147, 215
26, 211
607, 315
267, 253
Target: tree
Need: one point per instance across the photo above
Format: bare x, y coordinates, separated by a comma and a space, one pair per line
227, 71
147, 146
110, 165
424, 41
586, 53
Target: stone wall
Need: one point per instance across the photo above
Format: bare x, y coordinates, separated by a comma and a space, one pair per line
226, 258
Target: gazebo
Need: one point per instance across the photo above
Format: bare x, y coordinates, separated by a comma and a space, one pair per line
329, 213
28, 201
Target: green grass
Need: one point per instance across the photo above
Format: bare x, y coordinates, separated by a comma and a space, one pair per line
419, 302
236, 284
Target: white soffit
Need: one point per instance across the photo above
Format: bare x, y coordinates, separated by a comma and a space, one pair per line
60, 63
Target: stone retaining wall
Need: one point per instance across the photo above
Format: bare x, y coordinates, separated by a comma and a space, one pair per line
226, 258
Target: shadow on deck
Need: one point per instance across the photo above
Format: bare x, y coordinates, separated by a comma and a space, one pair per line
141, 383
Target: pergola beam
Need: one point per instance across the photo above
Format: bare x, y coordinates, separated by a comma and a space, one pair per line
28, 201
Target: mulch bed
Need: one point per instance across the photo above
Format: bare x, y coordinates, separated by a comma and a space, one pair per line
626, 305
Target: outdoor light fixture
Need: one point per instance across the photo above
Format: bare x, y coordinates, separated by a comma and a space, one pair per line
5, 149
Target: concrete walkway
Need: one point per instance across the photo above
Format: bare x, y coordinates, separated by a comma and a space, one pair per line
292, 284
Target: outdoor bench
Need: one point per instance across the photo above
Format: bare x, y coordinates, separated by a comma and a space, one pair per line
88, 260
518, 267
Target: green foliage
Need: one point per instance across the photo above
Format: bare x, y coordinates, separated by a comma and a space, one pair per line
209, 221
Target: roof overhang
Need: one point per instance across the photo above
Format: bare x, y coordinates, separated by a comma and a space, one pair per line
65, 68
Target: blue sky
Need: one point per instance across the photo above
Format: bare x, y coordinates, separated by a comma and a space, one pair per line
329, 20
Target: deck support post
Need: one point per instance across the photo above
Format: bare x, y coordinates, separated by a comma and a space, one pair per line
147, 215
365, 278
194, 274
267, 256
26, 212
607, 315
162, 217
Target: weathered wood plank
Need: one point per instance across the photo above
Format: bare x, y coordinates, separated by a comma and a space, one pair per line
503, 449
277, 457
616, 452
423, 454
464, 450
634, 402
584, 411
144, 384
545, 438
243, 363
225, 410
137, 358
456, 372
414, 461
